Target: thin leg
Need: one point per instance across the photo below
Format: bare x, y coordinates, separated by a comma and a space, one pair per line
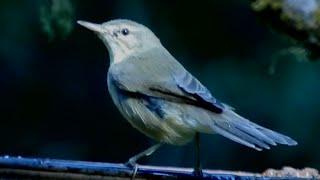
132, 161
197, 169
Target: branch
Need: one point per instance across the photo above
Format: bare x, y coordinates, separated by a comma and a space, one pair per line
30, 168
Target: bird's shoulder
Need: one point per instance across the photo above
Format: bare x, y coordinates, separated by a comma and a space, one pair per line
155, 63
157, 72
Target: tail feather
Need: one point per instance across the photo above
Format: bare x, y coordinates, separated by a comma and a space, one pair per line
281, 139
245, 132
246, 127
233, 137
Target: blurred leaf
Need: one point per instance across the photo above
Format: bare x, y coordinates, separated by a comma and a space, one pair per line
298, 19
56, 17
259, 5
299, 54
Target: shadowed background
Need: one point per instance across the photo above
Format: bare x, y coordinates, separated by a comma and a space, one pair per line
54, 103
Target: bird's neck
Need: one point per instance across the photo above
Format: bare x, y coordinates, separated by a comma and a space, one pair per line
118, 57
118, 54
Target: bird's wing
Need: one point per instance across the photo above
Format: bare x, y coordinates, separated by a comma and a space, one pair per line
191, 86
158, 74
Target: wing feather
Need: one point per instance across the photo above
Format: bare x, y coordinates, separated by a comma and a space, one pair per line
158, 74
189, 84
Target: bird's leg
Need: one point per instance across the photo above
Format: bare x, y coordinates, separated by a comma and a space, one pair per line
132, 161
197, 169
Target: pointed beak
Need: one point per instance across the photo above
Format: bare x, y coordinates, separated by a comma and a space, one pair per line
91, 26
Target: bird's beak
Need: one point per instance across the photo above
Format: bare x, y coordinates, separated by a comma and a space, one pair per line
91, 26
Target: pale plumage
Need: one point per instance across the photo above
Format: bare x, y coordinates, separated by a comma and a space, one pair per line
164, 101
141, 82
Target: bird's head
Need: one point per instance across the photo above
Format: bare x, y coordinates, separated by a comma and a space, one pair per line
123, 38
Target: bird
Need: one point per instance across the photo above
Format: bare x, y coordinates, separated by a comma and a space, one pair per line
161, 99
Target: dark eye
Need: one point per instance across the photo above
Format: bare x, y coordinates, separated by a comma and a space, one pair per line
125, 31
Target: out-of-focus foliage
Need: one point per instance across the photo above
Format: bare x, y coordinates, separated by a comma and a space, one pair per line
303, 14
300, 19
296, 53
260, 5
57, 18
53, 94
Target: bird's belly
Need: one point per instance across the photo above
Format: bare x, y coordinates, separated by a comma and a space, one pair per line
169, 129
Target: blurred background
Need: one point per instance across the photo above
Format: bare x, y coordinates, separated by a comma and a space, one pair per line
54, 103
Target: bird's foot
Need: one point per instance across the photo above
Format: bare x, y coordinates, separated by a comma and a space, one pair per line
198, 172
132, 164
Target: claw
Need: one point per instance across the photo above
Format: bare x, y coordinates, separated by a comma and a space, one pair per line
130, 163
198, 172
135, 171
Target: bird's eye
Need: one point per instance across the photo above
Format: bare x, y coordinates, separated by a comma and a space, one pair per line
125, 31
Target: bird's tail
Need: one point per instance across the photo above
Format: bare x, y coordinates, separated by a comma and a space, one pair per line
243, 131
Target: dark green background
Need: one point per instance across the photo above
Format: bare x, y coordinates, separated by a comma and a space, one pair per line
53, 101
